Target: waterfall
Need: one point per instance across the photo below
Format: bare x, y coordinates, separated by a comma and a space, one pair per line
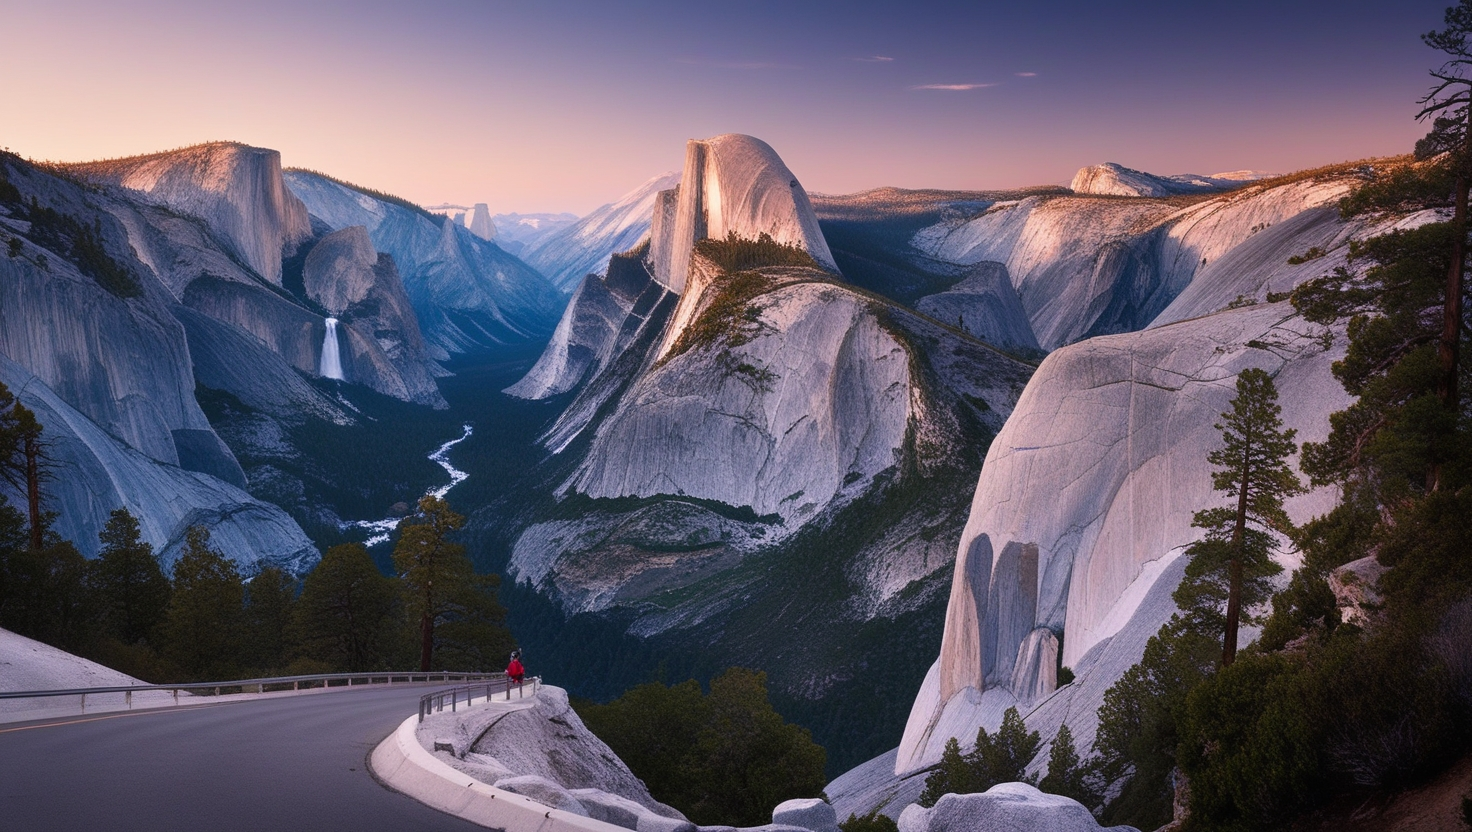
331, 363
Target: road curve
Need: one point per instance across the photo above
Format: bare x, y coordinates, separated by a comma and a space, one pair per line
288, 763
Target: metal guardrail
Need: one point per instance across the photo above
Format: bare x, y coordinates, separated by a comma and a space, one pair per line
279, 683
435, 702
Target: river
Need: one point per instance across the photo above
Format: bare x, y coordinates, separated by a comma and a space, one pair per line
379, 530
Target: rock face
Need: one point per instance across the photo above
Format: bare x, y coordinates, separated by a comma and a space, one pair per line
1086, 498
594, 329
1088, 493
782, 436
1085, 266
90, 338
103, 474
236, 189
765, 434
985, 305
577, 249
466, 293
1110, 179
732, 184
362, 289
1006, 806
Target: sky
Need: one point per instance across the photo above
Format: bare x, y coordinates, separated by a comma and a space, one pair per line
564, 106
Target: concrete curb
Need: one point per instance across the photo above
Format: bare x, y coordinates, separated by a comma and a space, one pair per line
403, 764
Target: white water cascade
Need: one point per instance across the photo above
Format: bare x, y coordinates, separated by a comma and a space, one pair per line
380, 528
331, 366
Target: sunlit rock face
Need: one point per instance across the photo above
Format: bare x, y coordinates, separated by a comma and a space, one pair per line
466, 292
825, 396
581, 248
1085, 266
735, 435
1111, 179
732, 184
1086, 497
361, 288
237, 190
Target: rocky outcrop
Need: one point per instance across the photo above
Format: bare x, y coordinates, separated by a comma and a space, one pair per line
237, 190
581, 248
1004, 806
538, 747
811, 813
1110, 179
361, 288
1086, 266
466, 293
732, 184
985, 305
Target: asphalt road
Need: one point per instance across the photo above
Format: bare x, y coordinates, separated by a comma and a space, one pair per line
282, 764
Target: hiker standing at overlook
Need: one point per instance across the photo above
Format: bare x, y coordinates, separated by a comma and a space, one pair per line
515, 670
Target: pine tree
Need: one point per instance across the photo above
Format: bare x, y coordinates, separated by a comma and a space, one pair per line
1067, 775
269, 599
952, 776
1252, 468
1449, 105
203, 628
1005, 757
24, 461
433, 568
347, 615
133, 588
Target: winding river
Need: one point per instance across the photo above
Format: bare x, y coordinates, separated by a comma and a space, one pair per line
379, 529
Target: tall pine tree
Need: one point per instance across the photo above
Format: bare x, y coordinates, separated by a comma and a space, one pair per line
1235, 558
132, 586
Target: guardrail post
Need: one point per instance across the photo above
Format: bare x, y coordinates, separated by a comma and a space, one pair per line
84, 703
128, 699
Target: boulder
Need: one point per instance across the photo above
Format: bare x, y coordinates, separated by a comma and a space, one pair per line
620, 811
1356, 587
1006, 806
543, 791
813, 814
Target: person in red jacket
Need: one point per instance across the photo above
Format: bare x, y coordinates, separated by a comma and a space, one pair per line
515, 670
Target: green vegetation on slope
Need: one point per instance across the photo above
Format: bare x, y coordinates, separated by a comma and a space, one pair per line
726, 757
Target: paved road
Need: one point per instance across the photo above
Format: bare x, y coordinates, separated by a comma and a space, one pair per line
284, 764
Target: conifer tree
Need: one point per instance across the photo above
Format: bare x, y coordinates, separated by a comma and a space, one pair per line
269, 598
1449, 105
347, 613
433, 568
1235, 558
952, 776
1067, 775
133, 588
202, 630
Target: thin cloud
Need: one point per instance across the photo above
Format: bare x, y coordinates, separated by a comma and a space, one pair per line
1025, 74
953, 87
875, 59
734, 64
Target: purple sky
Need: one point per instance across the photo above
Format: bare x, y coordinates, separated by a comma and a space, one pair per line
553, 106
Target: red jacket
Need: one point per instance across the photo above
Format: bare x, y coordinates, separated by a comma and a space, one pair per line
515, 670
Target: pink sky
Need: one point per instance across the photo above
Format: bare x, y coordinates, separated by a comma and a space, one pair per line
567, 106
